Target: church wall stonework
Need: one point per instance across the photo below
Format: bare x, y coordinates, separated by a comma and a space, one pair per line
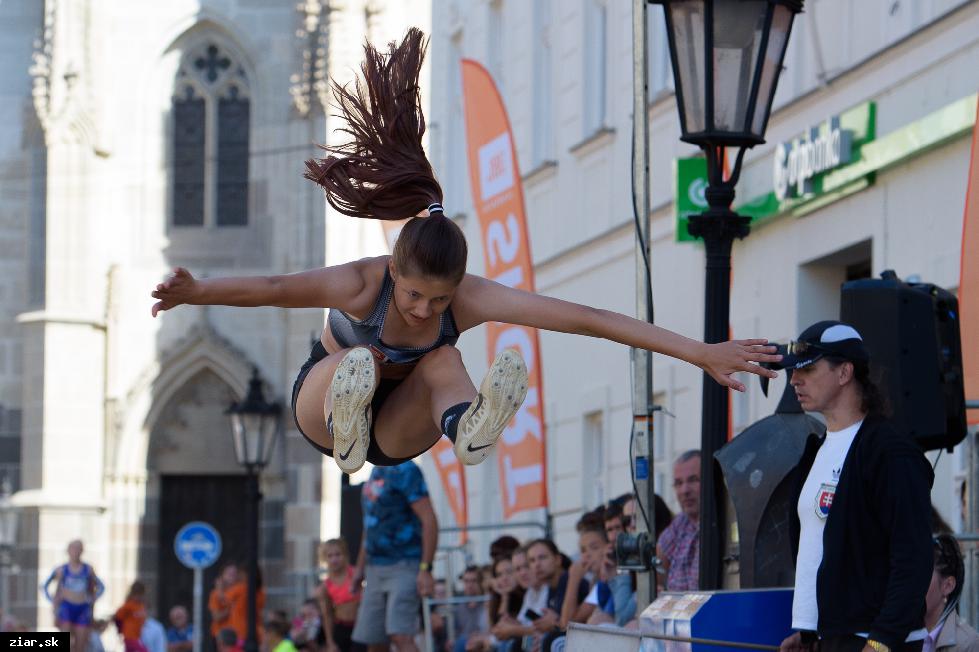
86, 231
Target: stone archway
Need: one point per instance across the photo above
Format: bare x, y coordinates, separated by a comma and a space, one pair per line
170, 422
191, 475
192, 435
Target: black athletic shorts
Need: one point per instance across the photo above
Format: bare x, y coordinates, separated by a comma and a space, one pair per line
374, 453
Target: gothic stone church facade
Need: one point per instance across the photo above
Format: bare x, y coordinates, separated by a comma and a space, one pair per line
136, 137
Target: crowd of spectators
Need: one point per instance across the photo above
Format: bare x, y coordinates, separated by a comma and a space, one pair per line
524, 599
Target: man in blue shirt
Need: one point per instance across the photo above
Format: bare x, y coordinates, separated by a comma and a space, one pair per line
400, 537
180, 634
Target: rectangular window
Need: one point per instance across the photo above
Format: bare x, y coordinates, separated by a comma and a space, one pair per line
210, 140
543, 92
10, 445
233, 114
495, 42
188, 162
596, 66
454, 174
659, 69
594, 458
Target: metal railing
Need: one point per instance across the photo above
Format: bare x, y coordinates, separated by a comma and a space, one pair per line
969, 600
428, 603
581, 638
499, 527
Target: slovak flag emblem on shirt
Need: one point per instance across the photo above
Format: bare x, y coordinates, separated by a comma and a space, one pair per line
824, 499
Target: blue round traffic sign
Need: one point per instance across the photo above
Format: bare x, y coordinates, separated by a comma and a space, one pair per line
197, 545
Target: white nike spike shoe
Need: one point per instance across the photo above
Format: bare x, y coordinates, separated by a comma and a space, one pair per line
352, 391
500, 396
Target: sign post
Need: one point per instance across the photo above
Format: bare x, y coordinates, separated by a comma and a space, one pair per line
197, 546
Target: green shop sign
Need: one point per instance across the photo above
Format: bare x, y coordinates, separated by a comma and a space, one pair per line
799, 170
691, 182
839, 157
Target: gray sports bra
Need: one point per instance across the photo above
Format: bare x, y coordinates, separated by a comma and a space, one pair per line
367, 332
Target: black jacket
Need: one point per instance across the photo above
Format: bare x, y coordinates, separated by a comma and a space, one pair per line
877, 549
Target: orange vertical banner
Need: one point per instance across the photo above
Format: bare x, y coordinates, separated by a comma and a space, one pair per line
499, 203
446, 463
969, 280
453, 481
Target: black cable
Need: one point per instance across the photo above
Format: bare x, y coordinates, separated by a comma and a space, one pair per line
643, 243
935, 465
632, 476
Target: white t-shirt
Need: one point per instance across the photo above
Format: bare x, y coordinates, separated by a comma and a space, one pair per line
814, 505
534, 600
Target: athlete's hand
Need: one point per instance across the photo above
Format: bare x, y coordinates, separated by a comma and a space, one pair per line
722, 361
425, 583
180, 288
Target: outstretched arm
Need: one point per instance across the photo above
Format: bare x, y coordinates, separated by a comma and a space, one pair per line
327, 287
483, 300
55, 575
97, 588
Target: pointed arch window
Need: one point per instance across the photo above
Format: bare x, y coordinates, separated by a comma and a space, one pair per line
211, 116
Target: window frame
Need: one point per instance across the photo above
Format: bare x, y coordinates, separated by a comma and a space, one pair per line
189, 75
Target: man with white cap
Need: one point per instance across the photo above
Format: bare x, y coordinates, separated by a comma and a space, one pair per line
863, 538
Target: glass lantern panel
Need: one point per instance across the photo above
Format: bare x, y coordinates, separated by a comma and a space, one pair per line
248, 436
738, 28
687, 19
238, 437
269, 432
778, 38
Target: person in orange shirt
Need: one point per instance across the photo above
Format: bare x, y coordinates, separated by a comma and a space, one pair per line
237, 597
130, 617
218, 602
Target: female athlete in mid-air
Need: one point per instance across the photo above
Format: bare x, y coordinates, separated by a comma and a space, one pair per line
385, 381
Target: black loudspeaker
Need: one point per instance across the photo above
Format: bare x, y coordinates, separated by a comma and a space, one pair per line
912, 331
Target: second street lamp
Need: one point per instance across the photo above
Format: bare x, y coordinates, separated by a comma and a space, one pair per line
727, 56
255, 427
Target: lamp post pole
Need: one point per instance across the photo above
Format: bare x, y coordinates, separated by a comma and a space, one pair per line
718, 227
254, 499
255, 428
727, 56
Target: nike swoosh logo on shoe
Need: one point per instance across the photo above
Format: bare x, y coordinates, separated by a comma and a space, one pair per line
479, 403
344, 456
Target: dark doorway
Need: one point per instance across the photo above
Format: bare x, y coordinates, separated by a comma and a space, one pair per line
351, 515
215, 499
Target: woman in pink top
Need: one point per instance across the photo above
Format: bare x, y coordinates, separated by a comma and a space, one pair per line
338, 597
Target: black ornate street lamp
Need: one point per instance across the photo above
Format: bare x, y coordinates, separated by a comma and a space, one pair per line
255, 427
727, 56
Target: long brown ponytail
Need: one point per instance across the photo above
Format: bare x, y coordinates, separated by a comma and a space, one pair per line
383, 173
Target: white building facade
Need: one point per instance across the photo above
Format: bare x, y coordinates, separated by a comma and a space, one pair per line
903, 72
137, 137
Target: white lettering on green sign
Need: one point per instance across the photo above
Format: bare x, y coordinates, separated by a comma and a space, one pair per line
799, 161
